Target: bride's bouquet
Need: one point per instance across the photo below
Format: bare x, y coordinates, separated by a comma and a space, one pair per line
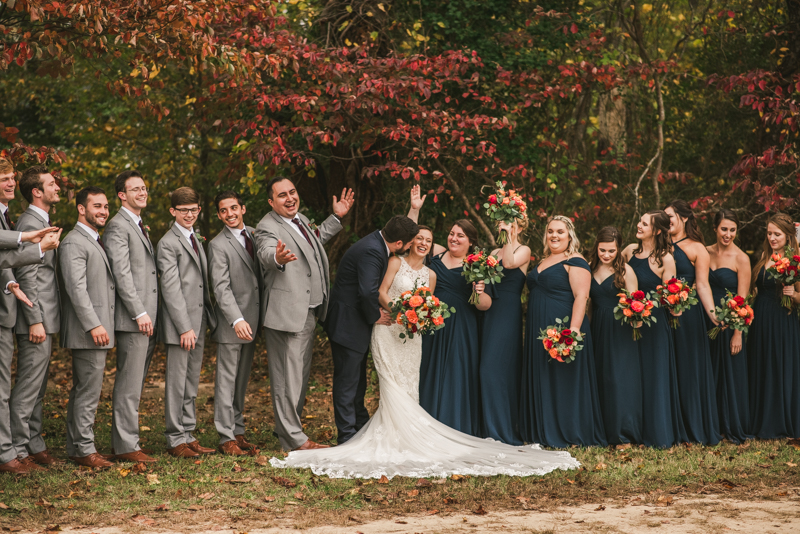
419, 312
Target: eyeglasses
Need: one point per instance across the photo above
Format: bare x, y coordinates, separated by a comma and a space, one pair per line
185, 211
137, 190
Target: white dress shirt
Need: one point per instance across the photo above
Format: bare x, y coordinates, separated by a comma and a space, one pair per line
89, 230
187, 233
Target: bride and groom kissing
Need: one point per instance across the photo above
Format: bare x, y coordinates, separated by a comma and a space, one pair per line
401, 438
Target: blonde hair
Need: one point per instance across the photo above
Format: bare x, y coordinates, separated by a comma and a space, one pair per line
574, 243
6, 167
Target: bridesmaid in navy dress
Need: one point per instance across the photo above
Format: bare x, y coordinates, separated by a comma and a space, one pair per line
501, 341
616, 353
653, 264
560, 406
696, 386
729, 271
449, 385
773, 343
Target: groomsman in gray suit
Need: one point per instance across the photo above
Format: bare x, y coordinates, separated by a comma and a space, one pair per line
36, 325
186, 311
298, 286
235, 275
87, 322
133, 261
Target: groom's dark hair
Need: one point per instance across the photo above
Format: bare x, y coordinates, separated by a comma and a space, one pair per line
400, 228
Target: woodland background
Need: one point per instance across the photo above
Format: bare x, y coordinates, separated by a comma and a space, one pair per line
599, 110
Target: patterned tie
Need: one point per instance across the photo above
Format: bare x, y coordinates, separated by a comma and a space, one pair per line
248, 245
8, 221
194, 244
296, 221
100, 242
144, 232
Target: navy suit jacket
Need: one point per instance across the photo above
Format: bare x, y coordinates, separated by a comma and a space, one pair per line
354, 305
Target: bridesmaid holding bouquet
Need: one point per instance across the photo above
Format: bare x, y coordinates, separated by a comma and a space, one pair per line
729, 272
616, 353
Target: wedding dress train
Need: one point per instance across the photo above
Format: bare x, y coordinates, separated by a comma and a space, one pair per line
402, 439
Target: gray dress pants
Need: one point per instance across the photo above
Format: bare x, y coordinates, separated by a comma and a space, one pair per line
33, 363
88, 367
7, 450
234, 362
134, 352
180, 391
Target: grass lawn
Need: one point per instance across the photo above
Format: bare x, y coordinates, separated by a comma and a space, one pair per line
233, 493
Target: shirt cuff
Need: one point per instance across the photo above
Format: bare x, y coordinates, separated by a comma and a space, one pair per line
140, 315
41, 254
336, 217
5, 289
280, 267
239, 320
19, 239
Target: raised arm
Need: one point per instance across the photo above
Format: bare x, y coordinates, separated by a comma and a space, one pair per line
272, 253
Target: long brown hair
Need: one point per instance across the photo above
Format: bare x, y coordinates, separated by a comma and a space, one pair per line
684, 211
659, 222
609, 234
786, 225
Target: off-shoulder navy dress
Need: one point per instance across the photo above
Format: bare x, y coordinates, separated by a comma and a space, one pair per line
619, 373
559, 402
773, 353
501, 359
662, 425
696, 388
730, 370
449, 387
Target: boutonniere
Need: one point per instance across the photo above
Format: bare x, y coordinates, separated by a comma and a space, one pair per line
147, 228
199, 237
314, 227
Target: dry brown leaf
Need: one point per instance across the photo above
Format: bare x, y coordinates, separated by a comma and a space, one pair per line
433, 512
449, 500
299, 496
624, 446
139, 468
459, 477
162, 507
790, 464
152, 479
570, 481
241, 481
44, 504
195, 508
383, 480
600, 467
143, 520
600, 508
262, 460
269, 498
206, 496
3, 506
285, 482
423, 483
412, 493
479, 511
52, 528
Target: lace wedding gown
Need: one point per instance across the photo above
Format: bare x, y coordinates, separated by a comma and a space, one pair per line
402, 439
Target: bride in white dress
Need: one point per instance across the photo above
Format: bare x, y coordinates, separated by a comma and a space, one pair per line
401, 438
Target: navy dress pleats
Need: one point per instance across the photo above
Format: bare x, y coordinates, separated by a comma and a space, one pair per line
619, 372
501, 359
559, 401
696, 387
662, 425
773, 352
449, 387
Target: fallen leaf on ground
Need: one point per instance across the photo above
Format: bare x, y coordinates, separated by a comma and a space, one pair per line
623, 446
600, 508
206, 496
139, 468
383, 480
449, 500
423, 483
600, 467
401, 522
458, 477
479, 511
412, 493
124, 472
144, 428
162, 507
570, 481
195, 508
241, 481
269, 498
285, 482
790, 464
143, 520
152, 479
440, 481
299, 496
262, 460
664, 500
3, 506
52, 528
44, 504
432, 512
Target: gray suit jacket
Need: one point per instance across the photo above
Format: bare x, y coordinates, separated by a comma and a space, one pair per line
185, 295
13, 255
287, 296
133, 261
8, 303
39, 282
88, 286
238, 286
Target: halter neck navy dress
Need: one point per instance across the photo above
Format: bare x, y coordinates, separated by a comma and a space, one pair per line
449, 387
773, 352
560, 406
696, 386
662, 425
730, 370
619, 373
501, 359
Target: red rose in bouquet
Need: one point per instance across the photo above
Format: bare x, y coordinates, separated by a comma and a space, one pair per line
734, 312
419, 312
481, 267
635, 309
676, 296
505, 206
561, 343
785, 271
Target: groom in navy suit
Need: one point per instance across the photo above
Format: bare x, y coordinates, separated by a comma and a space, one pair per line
354, 310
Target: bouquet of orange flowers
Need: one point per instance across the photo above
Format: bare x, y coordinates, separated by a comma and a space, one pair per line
481, 267
505, 206
734, 312
676, 296
785, 271
561, 343
419, 311
633, 309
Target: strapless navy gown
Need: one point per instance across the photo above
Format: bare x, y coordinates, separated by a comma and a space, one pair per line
449, 387
501, 359
662, 425
559, 402
773, 352
619, 372
696, 386
730, 371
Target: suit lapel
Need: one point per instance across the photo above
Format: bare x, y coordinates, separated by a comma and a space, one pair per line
97, 246
38, 217
138, 231
301, 243
240, 250
3, 222
188, 247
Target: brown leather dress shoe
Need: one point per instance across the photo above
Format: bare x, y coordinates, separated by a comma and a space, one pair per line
15, 467
31, 464
231, 448
243, 443
44, 458
135, 457
93, 460
182, 451
199, 449
309, 445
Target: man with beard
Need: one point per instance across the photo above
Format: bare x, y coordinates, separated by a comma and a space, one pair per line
133, 260
88, 321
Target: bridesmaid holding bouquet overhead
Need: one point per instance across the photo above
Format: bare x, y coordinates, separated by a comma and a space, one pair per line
653, 264
729, 272
773, 344
560, 406
692, 351
501, 340
616, 353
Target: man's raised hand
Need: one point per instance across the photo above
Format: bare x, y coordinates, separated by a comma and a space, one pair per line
341, 207
282, 254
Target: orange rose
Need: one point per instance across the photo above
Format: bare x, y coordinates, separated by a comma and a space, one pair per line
627, 313
412, 317
673, 299
552, 332
438, 320
623, 299
646, 313
405, 293
399, 319
416, 301
684, 295
742, 312
553, 353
